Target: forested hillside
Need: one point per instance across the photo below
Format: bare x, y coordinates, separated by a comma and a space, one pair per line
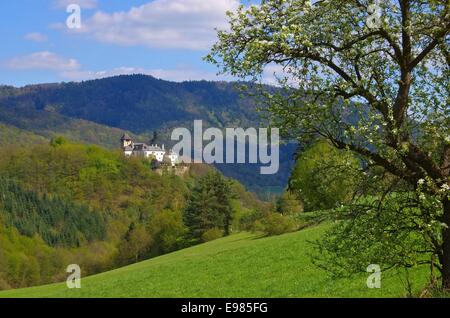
140, 103
13, 136
56, 221
99, 111
65, 203
23, 125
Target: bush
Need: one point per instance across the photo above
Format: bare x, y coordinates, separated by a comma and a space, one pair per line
277, 224
4, 284
212, 234
248, 221
258, 226
289, 205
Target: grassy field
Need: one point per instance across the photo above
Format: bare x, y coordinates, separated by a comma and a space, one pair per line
242, 265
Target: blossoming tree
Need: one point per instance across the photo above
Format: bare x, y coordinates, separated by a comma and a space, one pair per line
371, 77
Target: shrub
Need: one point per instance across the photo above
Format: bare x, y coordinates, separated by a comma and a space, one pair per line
212, 234
276, 224
4, 284
258, 226
248, 221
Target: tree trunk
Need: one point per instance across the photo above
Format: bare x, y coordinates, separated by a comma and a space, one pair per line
445, 258
227, 227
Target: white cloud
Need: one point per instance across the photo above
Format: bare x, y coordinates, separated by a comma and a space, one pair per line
42, 61
82, 75
184, 74
35, 37
86, 4
188, 24
69, 69
273, 73
176, 75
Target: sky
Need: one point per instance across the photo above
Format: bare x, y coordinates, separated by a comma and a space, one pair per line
164, 38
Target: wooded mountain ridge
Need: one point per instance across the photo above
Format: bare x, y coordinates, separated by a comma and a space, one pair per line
99, 111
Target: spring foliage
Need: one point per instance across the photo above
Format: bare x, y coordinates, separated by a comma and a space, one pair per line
64, 203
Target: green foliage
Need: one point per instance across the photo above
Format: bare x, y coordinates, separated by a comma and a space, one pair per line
325, 177
58, 141
380, 91
212, 234
27, 125
58, 222
65, 203
209, 205
12, 136
97, 112
134, 245
283, 216
247, 221
167, 230
92, 175
26, 261
276, 224
390, 232
289, 205
133, 102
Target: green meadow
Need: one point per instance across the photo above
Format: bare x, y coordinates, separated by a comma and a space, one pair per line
241, 265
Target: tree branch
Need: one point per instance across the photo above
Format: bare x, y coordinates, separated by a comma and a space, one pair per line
379, 160
430, 47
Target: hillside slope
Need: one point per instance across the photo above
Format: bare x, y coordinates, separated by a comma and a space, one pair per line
63, 203
10, 135
99, 111
242, 265
138, 103
27, 126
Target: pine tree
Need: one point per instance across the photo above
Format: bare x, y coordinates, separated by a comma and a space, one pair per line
209, 206
223, 193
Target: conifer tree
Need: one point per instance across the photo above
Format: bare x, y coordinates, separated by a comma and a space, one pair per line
209, 206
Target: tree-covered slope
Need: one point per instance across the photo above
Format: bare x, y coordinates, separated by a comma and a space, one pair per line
138, 103
65, 203
13, 136
23, 126
99, 111
59, 222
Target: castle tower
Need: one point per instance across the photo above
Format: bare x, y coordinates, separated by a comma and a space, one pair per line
126, 141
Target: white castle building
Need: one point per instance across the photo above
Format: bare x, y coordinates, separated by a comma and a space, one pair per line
140, 149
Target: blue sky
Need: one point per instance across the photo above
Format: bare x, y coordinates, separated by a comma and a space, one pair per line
164, 38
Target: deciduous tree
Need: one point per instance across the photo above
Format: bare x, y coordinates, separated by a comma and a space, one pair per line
375, 85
